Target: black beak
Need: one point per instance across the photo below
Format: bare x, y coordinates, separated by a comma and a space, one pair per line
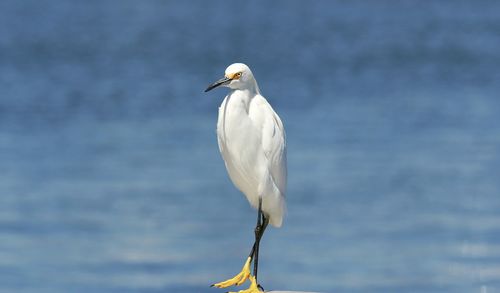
221, 81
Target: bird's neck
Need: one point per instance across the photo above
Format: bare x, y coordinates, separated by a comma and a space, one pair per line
241, 98
251, 91
251, 88
255, 88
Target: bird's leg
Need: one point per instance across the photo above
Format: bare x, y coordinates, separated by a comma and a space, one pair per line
244, 275
262, 222
259, 231
261, 226
254, 287
240, 278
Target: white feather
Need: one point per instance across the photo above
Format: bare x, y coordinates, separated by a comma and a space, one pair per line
252, 142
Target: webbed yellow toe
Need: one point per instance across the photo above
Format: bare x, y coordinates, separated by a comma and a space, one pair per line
254, 288
239, 278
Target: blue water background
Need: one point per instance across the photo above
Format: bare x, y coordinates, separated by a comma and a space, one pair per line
111, 180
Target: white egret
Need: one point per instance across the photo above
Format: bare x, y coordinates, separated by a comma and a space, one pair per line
252, 143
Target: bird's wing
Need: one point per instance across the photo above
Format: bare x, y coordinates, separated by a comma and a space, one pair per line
220, 119
273, 142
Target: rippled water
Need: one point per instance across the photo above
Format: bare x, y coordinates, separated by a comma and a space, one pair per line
111, 180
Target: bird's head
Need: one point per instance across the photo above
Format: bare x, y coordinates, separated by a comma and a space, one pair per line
238, 76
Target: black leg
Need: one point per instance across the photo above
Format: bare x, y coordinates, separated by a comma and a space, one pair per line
252, 251
258, 228
265, 221
262, 222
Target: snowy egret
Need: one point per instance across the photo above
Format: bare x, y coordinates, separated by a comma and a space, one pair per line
252, 143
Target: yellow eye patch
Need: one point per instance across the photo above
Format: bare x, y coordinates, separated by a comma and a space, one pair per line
236, 75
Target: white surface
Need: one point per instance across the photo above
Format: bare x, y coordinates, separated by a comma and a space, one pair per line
289, 292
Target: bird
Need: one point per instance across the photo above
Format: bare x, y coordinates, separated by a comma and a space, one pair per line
252, 142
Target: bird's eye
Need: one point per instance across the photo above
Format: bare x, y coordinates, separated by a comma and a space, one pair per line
238, 75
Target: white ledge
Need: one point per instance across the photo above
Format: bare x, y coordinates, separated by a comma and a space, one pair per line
289, 292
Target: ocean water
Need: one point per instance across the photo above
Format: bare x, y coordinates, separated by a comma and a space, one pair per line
111, 180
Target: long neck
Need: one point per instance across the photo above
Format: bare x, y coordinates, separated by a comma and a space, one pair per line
252, 88
241, 98
255, 87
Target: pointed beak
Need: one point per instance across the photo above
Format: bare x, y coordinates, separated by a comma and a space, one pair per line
220, 82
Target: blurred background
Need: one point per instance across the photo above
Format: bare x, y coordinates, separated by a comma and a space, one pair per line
111, 179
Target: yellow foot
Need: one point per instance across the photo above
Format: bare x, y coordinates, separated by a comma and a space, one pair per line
254, 288
239, 278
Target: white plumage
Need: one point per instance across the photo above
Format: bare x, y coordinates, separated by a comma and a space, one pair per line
252, 143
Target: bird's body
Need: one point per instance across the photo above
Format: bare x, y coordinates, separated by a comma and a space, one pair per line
252, 143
